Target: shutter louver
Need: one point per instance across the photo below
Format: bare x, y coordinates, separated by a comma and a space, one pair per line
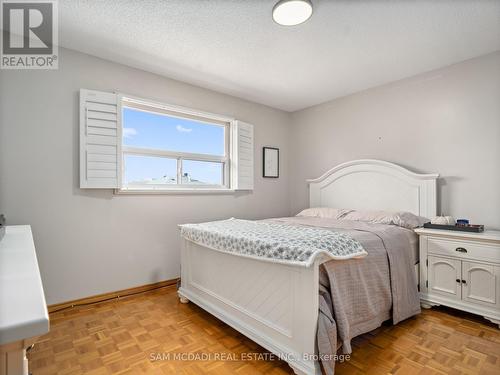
243, 156
100, 140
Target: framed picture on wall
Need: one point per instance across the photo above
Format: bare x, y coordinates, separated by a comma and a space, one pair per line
271, 162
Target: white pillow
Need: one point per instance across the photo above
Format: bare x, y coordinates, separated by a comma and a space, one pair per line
324, 212
401, 218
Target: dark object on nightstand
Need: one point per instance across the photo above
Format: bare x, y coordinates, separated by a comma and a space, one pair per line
459, 228
2, 226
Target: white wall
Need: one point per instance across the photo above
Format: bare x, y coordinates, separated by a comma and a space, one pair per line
446, 121
90, 242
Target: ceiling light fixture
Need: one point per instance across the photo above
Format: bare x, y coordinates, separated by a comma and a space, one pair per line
292, 12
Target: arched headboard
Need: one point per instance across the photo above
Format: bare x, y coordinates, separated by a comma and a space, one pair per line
375, 185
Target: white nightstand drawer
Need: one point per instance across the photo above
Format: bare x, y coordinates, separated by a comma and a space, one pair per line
464, 249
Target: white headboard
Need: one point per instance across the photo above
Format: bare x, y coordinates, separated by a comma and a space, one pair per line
375, 185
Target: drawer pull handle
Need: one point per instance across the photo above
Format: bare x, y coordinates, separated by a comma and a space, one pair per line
461, 249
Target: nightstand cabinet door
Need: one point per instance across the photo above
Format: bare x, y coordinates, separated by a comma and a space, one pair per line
445, 277
481, 283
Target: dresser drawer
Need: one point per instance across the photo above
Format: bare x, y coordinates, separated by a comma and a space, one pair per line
464, 249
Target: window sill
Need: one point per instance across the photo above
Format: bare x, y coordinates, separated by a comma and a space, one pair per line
183, 191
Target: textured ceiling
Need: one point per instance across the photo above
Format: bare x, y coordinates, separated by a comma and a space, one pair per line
234, 46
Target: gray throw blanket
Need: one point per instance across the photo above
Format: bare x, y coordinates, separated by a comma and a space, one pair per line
357, 295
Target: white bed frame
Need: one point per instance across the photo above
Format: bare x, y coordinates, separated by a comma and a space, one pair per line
274, 304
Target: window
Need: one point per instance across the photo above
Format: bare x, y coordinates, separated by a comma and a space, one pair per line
134, 145
167, 149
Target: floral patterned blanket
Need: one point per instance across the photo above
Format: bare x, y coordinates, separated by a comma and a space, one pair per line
274, 242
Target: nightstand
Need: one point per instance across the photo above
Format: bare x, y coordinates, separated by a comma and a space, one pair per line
461, 270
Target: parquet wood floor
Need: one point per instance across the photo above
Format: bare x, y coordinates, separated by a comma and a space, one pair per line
129, 336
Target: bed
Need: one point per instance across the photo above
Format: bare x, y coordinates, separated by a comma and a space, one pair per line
276, 304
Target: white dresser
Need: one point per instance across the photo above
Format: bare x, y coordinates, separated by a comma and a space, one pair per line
461, 270
23, 311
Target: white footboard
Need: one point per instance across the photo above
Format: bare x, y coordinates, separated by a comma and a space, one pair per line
275, 305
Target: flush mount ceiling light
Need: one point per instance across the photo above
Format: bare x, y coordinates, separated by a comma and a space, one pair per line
292, 12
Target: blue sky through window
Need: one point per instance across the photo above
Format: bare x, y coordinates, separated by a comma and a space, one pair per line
147, 169
208, 172
150, 130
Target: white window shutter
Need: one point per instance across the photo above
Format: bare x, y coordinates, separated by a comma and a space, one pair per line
242, 156
100, 140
